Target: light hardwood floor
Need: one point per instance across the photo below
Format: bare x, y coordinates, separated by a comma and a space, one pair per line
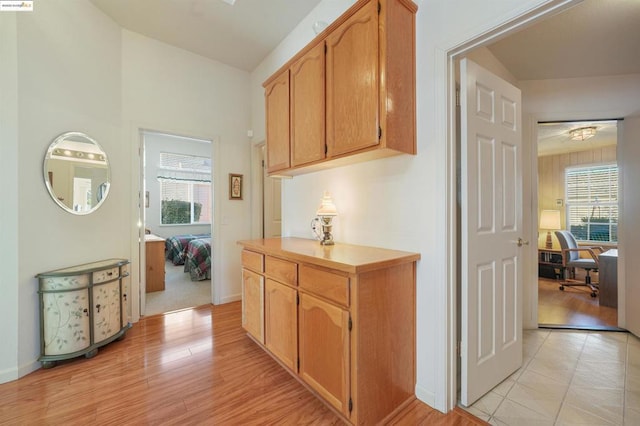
194, 366
572, 307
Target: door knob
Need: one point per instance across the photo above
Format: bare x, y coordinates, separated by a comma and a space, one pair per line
522, 242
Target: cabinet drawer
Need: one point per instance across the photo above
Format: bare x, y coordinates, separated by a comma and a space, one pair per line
252, 260
281, 270
105, 275
325, 284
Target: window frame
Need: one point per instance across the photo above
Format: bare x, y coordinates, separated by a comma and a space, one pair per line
189, 176
608, 205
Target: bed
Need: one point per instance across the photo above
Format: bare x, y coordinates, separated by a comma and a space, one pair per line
176, 247
198, 259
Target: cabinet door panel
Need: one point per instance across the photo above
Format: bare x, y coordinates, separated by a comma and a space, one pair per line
277, 114
307, 107
324, 350
66, 322
352, 83
280, 323
106, 311
253, 304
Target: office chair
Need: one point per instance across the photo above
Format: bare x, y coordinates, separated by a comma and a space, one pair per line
571, 259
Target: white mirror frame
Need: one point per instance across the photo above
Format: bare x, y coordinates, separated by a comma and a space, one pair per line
85, 157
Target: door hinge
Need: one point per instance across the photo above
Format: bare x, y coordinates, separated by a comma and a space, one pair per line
297, 298
457, 97
350, 404
458, 348
326, 149
325, 49
379, 8
379, 132
350, 324
263, 164
298, 364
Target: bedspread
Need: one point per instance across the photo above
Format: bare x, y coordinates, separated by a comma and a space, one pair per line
176, 247
198, 259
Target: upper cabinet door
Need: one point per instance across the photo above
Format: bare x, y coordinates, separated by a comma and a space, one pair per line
307, 107
353, 83
277, 111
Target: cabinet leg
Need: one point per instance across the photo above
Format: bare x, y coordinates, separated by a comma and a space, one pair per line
48, 364
91, 353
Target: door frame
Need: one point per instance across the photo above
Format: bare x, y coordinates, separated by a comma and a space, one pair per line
445, 397
137, 265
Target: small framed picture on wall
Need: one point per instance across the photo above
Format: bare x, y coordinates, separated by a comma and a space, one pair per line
235, 186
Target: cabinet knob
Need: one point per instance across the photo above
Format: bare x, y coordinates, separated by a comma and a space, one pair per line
86, 311
98, 307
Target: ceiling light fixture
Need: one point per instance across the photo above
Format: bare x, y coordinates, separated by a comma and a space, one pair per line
582, 133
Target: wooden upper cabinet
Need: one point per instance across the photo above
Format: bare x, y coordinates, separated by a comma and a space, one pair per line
307, 107
352, 83
351, 94
277, 113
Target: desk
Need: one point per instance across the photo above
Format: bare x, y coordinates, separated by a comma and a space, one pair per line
154, 249
608, 276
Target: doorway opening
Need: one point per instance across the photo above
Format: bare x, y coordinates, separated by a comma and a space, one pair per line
578, 188
177, 218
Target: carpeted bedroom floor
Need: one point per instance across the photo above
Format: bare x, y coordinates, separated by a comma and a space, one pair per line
180, 292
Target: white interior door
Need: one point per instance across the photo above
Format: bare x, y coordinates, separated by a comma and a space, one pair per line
491, 198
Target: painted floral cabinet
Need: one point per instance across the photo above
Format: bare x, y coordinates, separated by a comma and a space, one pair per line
82, 308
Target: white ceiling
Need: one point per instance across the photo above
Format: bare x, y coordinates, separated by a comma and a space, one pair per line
240, 35
553, 138
593, 38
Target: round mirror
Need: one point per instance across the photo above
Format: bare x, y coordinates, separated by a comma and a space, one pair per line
76, 172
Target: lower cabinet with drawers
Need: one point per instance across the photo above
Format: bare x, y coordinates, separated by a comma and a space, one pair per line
340, 319
82, 308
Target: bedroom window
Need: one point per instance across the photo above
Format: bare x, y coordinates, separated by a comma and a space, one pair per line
185, 189
592, 203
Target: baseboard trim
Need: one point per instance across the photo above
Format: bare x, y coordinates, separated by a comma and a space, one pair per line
582, 327
231, 298
425, 396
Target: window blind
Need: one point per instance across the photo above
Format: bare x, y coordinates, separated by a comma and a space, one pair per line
181, 167
592, 202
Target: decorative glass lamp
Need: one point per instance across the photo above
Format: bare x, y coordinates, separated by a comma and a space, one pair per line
550, 220
326, 213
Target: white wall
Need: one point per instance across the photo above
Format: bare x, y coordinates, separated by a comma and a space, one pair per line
65, 60
154, 144
628, 266
401, 202
9, 196
170, 90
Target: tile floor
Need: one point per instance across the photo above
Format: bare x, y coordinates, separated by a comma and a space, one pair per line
569, 377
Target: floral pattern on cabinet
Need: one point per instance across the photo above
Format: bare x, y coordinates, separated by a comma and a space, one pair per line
106, 310
82, 308
68, 310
